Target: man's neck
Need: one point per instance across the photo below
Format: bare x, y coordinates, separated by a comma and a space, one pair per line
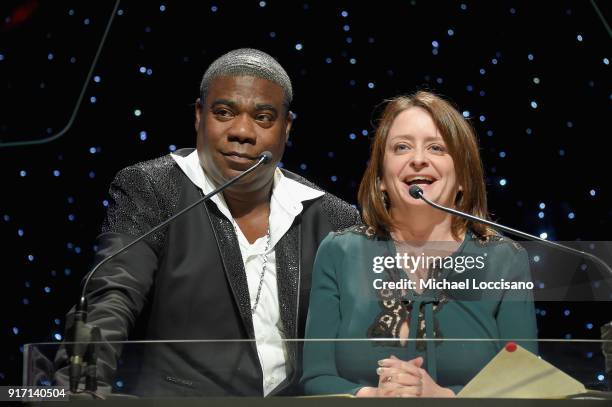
245, 203
250, 210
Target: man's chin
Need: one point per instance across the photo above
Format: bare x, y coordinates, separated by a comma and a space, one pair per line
253, 180
238, 164
223, 173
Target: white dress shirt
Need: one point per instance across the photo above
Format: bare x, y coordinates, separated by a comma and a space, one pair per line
285, 205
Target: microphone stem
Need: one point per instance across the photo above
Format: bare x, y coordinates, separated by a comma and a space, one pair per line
262, 159
517, 232
82, 332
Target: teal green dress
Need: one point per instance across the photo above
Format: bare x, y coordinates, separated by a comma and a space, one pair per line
347, 303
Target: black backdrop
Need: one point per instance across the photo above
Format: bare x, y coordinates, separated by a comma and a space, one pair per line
534, 78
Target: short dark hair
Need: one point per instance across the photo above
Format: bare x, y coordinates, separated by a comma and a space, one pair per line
248, 62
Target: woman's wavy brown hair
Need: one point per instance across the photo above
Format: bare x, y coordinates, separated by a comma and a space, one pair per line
462, 146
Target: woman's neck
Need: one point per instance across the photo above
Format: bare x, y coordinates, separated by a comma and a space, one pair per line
421, 225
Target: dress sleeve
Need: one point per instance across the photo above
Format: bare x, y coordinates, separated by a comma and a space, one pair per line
516, 314
320, 372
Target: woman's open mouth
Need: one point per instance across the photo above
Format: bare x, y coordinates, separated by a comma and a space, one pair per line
420, 181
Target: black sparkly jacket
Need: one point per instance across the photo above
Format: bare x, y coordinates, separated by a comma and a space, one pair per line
188, 282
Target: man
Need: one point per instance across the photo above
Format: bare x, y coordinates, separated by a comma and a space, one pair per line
237, 267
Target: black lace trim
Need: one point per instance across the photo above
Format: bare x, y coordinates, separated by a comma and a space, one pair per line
364, 230
395, 310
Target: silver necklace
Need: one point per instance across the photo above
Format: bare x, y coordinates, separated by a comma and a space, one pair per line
263, 267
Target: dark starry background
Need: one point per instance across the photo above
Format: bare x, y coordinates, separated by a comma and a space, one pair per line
533, 77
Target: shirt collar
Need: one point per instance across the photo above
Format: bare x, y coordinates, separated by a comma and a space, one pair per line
288, 193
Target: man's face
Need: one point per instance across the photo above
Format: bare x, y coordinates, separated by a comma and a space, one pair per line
241, 117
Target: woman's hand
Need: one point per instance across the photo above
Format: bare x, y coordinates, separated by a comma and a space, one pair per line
398, 378
408, 385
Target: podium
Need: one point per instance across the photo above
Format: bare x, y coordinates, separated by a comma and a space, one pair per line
499, 372
328, 402
144, 374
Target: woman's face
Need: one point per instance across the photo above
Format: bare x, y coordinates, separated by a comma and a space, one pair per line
415, 154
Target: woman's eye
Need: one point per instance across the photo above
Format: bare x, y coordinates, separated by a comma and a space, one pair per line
400, 147
438, 148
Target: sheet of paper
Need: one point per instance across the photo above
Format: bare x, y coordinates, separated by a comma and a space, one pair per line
517, 373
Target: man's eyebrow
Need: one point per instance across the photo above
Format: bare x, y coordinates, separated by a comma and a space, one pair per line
227, 102
234, 105
265, 106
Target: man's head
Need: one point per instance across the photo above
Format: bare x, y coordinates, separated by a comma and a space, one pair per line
242, 111
248, 62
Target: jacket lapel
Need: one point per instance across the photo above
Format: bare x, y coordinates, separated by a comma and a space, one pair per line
288, 259
288, 279
231, 257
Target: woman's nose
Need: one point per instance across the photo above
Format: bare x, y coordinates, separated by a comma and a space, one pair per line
419, 159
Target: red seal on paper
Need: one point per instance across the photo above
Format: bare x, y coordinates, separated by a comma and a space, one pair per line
511, 346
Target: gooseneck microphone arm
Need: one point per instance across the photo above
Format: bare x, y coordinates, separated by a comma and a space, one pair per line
263, 159
417, 193
81, 334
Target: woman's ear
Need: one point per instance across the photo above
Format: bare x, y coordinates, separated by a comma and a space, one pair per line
459, 195
380, 184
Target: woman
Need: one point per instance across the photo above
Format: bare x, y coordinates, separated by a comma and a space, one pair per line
421, 140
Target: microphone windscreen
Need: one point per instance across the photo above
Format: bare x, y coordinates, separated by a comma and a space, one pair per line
267, 156
415, 191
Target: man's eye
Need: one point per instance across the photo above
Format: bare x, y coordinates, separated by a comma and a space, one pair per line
264, 117
222, 113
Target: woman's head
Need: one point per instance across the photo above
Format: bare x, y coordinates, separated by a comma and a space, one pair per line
421, 139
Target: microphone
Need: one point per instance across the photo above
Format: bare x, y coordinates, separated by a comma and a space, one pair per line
417, 193
606, 330
81, 333
266, 156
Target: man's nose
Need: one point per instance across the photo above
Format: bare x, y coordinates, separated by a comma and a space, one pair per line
243, 129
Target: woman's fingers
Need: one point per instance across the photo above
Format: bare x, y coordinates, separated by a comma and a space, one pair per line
412, 391
396, 390
398, 363
407, 379
405, 369
399, 378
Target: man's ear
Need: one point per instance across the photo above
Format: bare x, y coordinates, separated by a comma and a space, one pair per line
198, 113
290, 117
